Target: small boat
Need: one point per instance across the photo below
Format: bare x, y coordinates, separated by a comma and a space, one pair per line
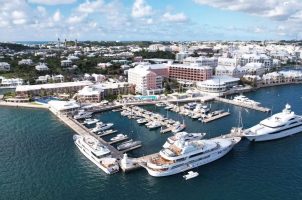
82, 114
107, 132
190, 175
90, 121
119, 137
128, 144
160, 104
141, 121
154, 125
178, 127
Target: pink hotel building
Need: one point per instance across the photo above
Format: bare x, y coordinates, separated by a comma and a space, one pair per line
190, 72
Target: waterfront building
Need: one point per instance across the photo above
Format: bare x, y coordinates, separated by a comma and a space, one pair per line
253, 68
234, 71
190, 73
41, 67
146, 81
217, 84
51, 88
63, 107
96, 93
4, 66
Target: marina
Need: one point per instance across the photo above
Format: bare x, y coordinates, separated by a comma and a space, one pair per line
243, 157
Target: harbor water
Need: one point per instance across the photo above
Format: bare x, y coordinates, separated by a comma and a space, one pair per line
40, 161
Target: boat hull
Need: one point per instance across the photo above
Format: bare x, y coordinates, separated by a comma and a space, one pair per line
268, 137
185, 167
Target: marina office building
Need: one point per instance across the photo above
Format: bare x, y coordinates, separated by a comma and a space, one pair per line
218, 84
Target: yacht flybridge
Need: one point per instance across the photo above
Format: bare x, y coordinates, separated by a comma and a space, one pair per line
277, 126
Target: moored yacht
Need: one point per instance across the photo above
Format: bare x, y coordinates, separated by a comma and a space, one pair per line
82, 114
99, 154
277, 126
100, 126
90, 121
128, 144
184, 155
178, 127
244, 99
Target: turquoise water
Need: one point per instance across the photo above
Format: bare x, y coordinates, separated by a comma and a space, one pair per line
39, 160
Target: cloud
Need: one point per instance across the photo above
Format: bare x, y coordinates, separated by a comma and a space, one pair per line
178, 17
141, 9
52, 2
90, 6
76, 19
57, 16
273, 9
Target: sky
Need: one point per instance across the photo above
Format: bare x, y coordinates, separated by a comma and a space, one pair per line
155, 20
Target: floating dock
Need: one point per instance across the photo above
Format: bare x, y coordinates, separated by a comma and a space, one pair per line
253, 107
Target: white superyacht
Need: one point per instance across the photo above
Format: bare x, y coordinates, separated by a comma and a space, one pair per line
184, 155
99, 154
279, 125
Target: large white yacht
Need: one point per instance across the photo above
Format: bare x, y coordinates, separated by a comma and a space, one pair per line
97, 153
184, 155
277, 126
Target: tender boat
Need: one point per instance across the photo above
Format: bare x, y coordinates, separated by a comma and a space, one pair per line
279, 125
97, 153
90, 121
107, 132
128, 144
190, 175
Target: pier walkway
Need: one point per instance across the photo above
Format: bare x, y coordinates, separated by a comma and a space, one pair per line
253, 107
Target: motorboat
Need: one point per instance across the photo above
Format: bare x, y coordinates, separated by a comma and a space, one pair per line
119, 137
128, 144
82, 114
178, 127
190, 175
100, 126
90, 121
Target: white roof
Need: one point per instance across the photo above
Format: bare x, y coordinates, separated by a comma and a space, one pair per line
216, 80
63, 105
23, 88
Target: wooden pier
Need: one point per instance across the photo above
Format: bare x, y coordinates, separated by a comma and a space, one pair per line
253, 107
